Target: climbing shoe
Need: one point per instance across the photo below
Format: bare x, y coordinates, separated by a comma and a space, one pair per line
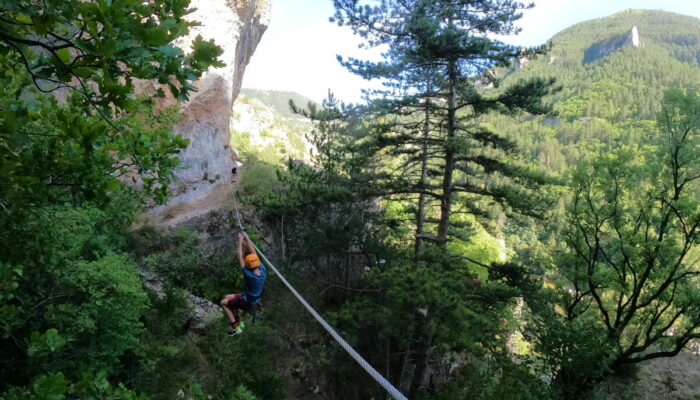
236, 330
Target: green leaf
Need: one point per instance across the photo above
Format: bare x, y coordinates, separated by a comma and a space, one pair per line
50, 387
170, 50
46, 343
64, 55
205, 53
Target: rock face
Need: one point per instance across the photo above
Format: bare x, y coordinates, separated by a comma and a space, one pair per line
236, 26
634, 38
521, 61
202, 311
608, 46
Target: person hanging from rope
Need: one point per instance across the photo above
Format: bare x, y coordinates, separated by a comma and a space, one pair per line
236, 164
254, 275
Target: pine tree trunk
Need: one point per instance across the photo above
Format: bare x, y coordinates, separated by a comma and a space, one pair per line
423, 354
407, 367
446, 201
420, 215
423, 348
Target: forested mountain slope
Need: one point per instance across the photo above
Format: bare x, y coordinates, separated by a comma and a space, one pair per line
278, 100
263, 125
628, 82
613, 73
611, 99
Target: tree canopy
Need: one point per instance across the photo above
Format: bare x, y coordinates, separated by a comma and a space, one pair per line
75, 144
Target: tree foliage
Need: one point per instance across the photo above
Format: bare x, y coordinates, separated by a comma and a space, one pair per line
597, 311
90, 55
73, 129
74, 301
56, 386
426, 125
632, 293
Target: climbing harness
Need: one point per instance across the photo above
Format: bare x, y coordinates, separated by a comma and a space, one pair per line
395, 393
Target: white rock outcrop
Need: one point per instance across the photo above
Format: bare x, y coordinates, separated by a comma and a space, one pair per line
521, 61
237, 26
634, 38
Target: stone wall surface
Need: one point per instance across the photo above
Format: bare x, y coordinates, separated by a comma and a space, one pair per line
236, 26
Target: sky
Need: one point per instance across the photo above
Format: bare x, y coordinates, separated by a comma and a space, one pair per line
298, 51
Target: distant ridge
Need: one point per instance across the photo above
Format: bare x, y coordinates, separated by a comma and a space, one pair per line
677, 33
278, 100
607, 70
264, 127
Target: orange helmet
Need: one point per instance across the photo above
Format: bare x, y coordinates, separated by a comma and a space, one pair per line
252, 261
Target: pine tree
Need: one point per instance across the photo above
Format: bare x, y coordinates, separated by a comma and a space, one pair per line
439, 58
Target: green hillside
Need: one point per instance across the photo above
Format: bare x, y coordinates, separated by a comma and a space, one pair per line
277, 100
263, 126
613, 98
627, 83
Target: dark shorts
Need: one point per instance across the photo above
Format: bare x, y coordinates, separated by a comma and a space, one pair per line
238, 302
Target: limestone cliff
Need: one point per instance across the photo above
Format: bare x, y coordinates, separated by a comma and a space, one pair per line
237, 26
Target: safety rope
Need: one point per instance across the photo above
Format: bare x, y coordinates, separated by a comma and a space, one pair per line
395, 393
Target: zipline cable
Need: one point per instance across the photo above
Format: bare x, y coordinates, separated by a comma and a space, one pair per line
235, 205
363, 363
395, 393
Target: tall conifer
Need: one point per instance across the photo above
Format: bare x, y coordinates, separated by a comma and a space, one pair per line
437, 70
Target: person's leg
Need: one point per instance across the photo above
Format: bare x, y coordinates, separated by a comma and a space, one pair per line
237, 303
224, 306
235, 314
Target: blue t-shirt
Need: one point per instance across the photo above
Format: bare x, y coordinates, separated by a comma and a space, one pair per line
253, 284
